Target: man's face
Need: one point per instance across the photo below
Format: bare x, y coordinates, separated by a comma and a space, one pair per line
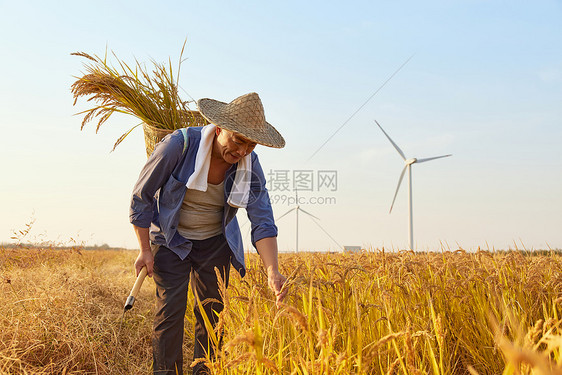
232, 146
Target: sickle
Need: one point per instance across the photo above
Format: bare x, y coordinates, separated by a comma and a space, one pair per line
138, 283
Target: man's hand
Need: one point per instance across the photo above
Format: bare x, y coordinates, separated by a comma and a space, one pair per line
267, 248
276, 281
145, 259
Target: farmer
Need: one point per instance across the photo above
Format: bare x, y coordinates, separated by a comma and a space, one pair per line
188, 193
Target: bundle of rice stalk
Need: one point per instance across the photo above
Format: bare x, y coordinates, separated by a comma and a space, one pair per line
151, 97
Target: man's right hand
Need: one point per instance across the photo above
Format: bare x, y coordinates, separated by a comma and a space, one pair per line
145, 259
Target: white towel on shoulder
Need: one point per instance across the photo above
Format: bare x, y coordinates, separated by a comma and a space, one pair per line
240, 192
198, 180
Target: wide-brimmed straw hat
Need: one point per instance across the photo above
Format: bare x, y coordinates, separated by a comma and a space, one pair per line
243, 115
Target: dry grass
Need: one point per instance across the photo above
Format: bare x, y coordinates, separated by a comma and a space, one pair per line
371, 313
60, 313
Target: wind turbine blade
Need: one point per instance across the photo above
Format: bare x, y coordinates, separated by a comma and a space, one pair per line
398, 187
308, 213
328, 234
286, 213
391, 141
433, 158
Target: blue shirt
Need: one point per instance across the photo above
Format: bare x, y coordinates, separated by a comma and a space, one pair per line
161, 187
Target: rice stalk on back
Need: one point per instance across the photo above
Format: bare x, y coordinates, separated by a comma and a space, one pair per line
150, 96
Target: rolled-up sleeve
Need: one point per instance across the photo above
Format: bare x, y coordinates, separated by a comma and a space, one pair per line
259, 208
153, 176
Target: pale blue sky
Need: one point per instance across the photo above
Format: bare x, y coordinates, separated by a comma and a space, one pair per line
484, 83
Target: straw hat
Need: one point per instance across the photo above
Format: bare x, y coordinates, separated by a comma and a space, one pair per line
243, 115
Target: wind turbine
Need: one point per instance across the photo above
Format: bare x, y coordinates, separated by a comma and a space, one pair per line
408, 166
297, 209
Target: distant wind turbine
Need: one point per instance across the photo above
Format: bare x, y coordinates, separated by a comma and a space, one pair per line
408, 165
297, 209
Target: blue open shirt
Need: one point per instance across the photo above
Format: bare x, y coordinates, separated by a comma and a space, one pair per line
161, 187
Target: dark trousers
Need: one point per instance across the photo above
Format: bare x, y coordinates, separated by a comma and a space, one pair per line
172, 275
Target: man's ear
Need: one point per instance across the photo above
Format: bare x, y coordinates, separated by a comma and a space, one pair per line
217, 130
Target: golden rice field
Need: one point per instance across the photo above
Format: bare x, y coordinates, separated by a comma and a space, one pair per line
369, 313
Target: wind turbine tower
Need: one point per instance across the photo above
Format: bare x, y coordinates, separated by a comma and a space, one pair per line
297, 209
408, 166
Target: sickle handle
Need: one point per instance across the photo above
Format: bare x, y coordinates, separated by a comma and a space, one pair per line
138, 283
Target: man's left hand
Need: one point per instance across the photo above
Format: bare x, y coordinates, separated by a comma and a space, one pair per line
275, 281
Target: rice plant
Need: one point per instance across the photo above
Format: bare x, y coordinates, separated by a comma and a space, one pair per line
152, 96
370, 313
